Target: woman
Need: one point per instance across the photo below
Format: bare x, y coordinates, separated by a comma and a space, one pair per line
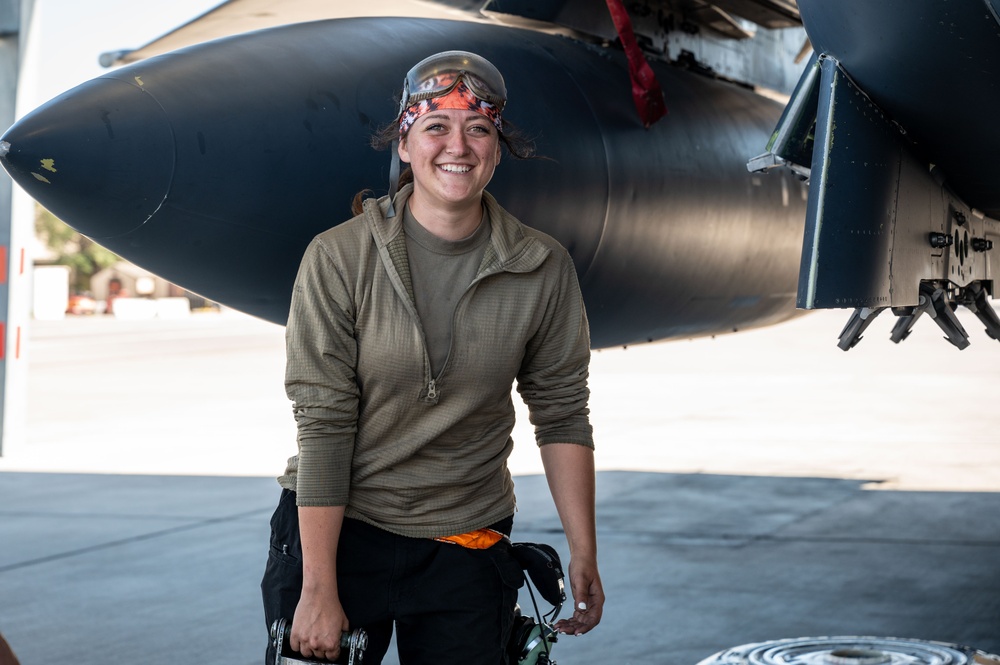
408, 326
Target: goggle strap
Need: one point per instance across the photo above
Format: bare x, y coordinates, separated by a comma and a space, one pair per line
393, 177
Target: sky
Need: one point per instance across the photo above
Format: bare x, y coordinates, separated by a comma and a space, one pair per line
73, 33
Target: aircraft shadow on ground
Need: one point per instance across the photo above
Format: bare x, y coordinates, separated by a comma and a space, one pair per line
104, 568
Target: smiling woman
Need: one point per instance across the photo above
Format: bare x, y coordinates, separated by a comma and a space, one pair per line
452, 154
408, 326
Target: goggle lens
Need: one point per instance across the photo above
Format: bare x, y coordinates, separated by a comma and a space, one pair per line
440, 73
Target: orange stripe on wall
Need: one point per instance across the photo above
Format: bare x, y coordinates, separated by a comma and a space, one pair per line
22, 262
3, 339
17, 347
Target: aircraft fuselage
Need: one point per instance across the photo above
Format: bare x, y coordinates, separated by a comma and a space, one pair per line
215, 165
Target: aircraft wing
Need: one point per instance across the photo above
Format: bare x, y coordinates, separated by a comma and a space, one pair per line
586, 17
238, 16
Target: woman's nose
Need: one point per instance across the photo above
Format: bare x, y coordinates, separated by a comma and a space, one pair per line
457, 144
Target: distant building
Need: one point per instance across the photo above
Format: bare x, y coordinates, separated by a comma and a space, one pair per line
130, 280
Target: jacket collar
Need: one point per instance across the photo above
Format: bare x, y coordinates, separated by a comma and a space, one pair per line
515, 250
510, 248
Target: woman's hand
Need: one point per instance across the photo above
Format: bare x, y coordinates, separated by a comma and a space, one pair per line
317, 626
588, 598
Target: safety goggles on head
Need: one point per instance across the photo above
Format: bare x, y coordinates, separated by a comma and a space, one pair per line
452, 79
438, 75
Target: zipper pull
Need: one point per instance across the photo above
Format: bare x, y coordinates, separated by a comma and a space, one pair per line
432, 391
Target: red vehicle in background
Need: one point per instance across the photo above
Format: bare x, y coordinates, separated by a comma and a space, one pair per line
81, 303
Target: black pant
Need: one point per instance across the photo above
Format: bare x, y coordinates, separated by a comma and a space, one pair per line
449, 604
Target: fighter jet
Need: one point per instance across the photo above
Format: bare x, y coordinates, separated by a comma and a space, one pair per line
213, 163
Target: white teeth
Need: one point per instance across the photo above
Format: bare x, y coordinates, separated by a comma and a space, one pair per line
454, 168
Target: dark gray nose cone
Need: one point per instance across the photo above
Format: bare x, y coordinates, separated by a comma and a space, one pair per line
100, 156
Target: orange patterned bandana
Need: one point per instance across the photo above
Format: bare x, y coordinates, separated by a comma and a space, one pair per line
460, 97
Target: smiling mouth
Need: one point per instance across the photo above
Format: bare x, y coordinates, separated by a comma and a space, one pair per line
454, 168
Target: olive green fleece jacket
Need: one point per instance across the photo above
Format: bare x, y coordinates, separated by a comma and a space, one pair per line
415, 454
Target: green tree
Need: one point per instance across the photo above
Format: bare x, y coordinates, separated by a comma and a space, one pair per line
84, 257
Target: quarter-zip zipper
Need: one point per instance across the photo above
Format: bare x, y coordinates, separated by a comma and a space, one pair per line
432, 393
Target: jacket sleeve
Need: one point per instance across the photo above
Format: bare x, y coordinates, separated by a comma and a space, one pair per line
553, 376
320, 377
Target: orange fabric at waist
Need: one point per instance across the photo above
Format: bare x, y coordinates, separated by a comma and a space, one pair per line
480, 539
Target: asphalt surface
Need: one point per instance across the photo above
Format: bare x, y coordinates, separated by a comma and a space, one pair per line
753, 487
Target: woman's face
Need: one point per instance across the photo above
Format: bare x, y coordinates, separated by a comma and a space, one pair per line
452, 154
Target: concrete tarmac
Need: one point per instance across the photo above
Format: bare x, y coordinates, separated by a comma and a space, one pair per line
751, 487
